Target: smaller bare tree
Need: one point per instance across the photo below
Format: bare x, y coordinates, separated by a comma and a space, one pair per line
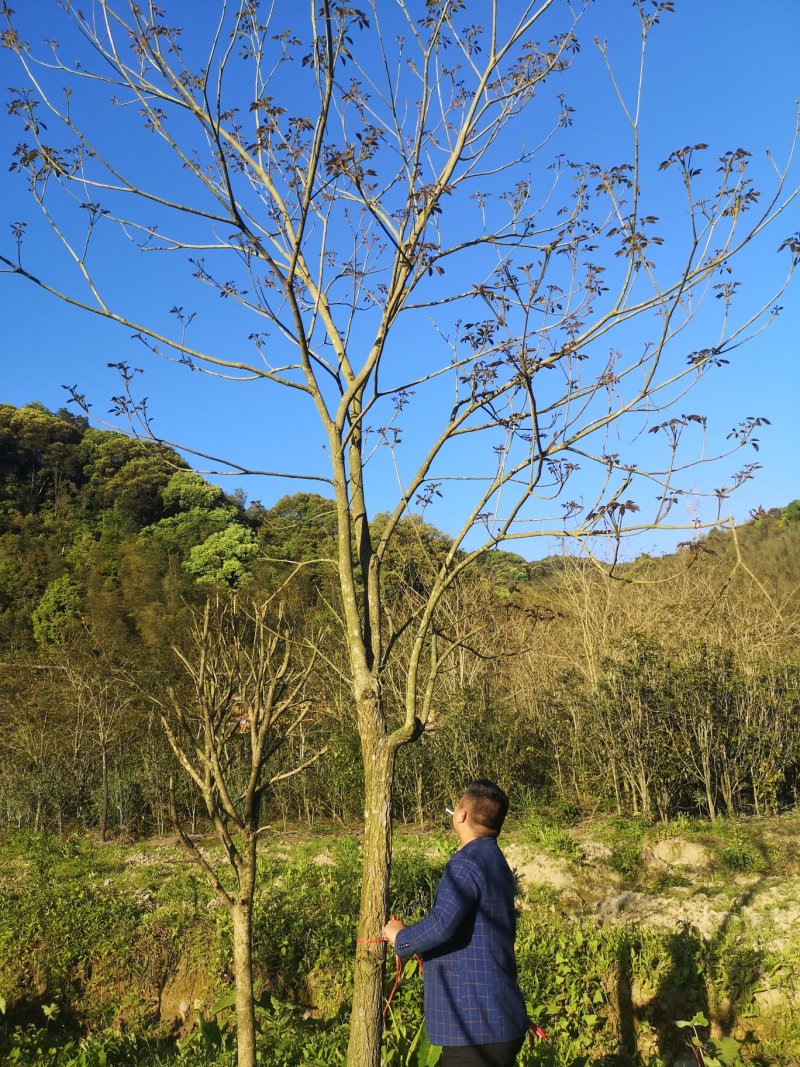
247, 674
97, 696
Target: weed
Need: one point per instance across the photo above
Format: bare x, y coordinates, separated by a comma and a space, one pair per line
722, 1052
95, 952
681, 826
666, 880
739, 856
626, 859
540, 831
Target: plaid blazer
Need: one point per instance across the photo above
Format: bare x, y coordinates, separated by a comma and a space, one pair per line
467, 944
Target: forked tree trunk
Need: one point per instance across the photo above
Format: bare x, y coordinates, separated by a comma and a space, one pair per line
364, 1048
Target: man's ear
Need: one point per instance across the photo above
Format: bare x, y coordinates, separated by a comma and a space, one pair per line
461, 815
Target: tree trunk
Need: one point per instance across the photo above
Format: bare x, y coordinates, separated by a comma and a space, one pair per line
643, 786
754, 783
364, 1049
103, 792
726, 787
242, 915
419, 788
617, 793
708, 785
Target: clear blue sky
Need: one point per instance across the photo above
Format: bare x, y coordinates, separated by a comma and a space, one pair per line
725, 73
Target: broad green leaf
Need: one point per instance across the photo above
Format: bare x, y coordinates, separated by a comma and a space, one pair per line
698, 1020
428, 1055
224, 1002
728, 1050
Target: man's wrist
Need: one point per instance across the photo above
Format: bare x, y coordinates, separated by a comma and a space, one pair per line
392, 929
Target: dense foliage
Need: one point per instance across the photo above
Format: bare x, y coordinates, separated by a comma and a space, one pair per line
670, 686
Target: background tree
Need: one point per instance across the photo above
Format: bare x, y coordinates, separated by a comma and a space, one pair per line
101, 703
372, 178
58, 608
38, 744
247, 694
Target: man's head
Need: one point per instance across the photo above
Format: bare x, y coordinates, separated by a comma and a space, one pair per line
483, 807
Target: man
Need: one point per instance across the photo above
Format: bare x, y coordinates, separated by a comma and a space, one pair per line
473, 1005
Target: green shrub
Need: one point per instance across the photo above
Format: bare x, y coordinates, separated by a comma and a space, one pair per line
626, 859
51, 929
738, 857
540, 831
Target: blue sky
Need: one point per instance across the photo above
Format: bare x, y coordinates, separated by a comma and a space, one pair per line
720, 73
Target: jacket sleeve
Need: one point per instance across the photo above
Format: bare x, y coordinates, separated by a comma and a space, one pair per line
457, 895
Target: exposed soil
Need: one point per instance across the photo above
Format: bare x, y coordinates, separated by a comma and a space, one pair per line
186, 989
680, 882
768, 903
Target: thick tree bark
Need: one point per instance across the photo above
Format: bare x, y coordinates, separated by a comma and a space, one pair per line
242, 916
364, 1049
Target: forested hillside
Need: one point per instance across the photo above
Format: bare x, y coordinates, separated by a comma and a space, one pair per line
664, 686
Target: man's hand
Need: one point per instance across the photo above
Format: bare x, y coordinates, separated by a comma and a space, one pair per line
392, 929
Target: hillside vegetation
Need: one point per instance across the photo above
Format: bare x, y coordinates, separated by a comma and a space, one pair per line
660, 687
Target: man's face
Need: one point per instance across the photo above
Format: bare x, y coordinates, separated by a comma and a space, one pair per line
458, 814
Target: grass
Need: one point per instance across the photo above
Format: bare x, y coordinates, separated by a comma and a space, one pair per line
98, 931
664, 881
536, 829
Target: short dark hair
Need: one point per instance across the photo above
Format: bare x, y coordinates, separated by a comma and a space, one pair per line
487, 805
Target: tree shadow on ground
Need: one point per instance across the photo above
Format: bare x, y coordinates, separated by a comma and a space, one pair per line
647, 1026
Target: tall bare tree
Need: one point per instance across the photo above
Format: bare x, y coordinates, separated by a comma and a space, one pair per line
247, 693
344, 182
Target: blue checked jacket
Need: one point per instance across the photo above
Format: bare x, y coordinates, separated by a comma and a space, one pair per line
466, 942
